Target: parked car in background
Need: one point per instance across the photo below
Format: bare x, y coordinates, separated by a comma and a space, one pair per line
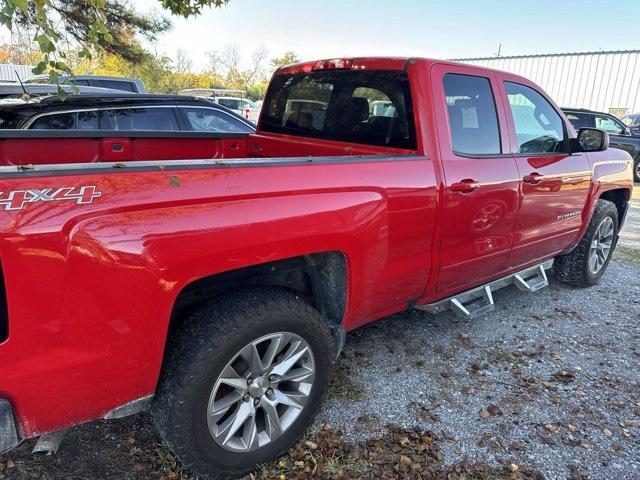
132, 85
620, 134
15, 90
633, 122
232, 99
120, 111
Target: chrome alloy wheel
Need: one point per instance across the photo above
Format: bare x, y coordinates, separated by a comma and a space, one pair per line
261, 392
601, 245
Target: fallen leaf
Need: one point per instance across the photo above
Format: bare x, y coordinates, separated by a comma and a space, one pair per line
484, 413
513, 467
572, 427
551, 427
607, 432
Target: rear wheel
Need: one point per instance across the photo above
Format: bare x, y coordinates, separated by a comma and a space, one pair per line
586, 264
243, 381
636, 169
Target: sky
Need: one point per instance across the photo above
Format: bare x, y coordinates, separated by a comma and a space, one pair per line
438, 29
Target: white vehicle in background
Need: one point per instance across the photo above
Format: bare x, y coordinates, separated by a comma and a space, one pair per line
232, 99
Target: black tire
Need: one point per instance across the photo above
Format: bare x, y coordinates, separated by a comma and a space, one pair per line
573, 267
636, 169
210, 338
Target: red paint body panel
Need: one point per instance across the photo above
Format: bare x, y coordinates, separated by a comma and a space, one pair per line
91, 287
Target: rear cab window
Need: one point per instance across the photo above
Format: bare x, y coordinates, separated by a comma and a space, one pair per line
362, 107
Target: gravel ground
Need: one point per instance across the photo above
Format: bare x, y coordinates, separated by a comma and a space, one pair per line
549, 381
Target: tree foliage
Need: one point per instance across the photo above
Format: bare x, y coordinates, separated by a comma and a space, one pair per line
287, 59
103, 37
109, 26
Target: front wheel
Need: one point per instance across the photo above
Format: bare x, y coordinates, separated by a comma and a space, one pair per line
589, 260
243, 382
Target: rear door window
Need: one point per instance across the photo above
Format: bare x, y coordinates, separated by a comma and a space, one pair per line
473, 120
366, 107
539, 128
212, 120
67, 121
143, 118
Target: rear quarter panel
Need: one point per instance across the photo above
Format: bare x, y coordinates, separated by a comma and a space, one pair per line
91, 287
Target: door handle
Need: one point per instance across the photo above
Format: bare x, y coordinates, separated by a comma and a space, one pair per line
533, 178
465, 186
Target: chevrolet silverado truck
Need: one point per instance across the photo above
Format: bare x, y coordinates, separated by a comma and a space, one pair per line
211, 278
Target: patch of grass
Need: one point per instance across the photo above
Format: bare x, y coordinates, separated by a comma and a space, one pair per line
627, 255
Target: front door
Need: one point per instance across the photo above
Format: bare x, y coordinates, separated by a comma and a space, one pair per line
554, 183
481, 178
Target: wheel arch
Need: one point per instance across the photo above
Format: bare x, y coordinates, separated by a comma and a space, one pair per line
321, 279
620, 198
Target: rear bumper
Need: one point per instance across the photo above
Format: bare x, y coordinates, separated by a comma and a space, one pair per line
8, 431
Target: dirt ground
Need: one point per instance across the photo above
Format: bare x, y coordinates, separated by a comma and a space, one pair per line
546, 387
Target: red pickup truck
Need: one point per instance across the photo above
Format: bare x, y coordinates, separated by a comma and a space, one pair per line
216, 291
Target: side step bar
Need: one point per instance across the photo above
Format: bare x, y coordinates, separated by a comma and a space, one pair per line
478, 301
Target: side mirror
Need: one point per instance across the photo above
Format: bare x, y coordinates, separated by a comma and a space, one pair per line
590, 140
626, 131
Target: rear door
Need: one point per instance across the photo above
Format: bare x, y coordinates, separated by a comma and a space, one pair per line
481, 177
554, 184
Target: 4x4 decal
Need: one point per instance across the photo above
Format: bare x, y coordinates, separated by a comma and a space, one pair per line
17, 199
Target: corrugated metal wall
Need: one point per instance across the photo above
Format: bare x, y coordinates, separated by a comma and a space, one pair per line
604, 81
8, 72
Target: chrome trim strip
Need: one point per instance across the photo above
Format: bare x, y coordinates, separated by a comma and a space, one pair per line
119, 167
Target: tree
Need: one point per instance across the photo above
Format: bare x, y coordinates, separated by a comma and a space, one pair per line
227, 63
95, 25
287, 59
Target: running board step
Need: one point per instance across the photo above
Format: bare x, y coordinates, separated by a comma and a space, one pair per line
533, 282
478, 301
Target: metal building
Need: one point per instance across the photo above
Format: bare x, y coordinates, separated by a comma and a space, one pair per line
603, 81
8, 72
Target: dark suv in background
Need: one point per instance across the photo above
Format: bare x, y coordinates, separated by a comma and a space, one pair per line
620, 135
